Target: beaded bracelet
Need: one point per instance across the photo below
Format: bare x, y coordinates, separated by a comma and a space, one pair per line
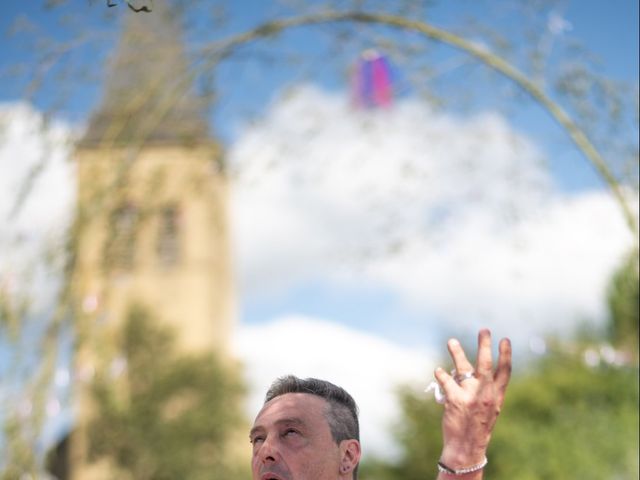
442, 468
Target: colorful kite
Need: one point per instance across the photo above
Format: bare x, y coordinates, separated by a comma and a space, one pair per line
372, 81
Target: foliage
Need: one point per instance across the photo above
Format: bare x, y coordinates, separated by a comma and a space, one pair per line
623, 299
580, 421
569, 416
563, 419
419, 437
177, 415
20, 456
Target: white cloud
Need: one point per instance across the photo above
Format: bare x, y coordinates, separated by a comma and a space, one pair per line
317, 179
31, 145
36, 152
367, 366
479, 233
538, 276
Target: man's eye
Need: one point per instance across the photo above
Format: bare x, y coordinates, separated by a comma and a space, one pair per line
290, 432
255, 440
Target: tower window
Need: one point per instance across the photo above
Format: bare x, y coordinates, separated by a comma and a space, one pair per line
168, 243
120, 251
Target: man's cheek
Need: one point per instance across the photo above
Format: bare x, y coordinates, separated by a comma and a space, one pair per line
255, 463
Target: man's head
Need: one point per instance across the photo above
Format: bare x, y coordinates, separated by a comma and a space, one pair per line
307, 430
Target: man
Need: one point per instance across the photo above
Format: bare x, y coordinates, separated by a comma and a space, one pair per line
308, 429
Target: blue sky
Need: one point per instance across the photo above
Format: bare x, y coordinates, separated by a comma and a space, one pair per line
608, 30
523, 243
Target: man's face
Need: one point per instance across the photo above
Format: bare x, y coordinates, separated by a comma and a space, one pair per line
292, 440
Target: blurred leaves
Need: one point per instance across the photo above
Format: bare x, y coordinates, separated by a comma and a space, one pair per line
13, 307
562, 419
566, 419
570, 415
624, 304
174, 415
21, 456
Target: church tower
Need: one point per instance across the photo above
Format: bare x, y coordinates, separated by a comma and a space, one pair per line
152, 227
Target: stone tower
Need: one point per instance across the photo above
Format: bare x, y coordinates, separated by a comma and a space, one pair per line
152, 213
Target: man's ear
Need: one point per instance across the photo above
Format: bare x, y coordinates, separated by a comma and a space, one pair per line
349, 455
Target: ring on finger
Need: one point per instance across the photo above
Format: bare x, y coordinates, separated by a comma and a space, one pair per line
461, 377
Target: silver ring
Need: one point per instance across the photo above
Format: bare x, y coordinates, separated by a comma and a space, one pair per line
464, 376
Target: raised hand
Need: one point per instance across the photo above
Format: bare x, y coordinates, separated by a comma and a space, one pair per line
473, 400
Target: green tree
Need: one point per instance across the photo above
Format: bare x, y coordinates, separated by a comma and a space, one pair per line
573, 414
174, 418
624, 307
567, 419
419, 436
563, 419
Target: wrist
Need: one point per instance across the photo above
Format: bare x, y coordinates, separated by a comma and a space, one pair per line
459, 456
470, 471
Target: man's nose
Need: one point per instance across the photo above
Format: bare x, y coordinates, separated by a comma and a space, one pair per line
268, 450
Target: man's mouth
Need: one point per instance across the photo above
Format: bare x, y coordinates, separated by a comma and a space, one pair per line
270, 476
274, 472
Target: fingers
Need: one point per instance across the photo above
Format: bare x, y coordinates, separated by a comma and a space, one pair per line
503, 371
460, 361
484, 363
446, 381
